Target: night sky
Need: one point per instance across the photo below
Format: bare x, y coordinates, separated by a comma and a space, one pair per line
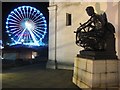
7, 7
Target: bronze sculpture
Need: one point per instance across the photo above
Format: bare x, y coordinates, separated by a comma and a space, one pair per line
96, 36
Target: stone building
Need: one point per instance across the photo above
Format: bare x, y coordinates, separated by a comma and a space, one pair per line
64, 19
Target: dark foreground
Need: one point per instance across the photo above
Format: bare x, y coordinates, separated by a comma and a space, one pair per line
34, 76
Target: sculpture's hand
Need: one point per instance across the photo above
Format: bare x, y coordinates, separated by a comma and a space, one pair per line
75, 31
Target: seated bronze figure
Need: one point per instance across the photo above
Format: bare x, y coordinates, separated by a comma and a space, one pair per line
96, 35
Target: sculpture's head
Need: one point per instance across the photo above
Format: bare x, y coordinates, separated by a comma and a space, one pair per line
90, 10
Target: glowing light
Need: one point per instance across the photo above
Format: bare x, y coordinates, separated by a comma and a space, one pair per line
29, 25
9, 34
7, 31
26, 25
1, 57
6, 26
1, 45
33, 56
22, 40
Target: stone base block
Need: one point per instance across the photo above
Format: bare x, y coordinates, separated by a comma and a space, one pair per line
79, 83
96, 73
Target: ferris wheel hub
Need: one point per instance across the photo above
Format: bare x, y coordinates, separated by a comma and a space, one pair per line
29, 24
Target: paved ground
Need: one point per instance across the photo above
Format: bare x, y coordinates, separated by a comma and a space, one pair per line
34, 76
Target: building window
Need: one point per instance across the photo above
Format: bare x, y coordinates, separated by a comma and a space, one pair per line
68, 19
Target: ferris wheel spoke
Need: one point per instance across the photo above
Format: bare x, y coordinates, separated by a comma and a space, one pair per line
36, 18
9, 20
36, 21
39, 30
13, 29
18, 34
26, 10
37, 34
21, 35
30, 12
14, 18
42, 21
17, 31
20, 12
14, 14
13, 40
20, 9
24, 14
39, 20
41, 25
33, 37
19, 16
13, 26
44, 28
13, 23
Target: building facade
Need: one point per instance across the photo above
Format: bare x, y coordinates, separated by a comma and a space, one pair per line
64, 19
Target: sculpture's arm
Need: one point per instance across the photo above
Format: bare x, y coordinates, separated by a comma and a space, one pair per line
86, 24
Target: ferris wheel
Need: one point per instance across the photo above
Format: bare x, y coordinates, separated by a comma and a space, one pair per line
26, 25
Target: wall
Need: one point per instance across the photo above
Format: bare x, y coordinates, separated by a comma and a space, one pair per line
17, 55
63, 47
10, 56
25, 55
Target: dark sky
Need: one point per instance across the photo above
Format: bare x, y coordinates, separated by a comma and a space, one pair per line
7, 7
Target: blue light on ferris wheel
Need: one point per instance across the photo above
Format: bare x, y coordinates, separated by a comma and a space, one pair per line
26, 25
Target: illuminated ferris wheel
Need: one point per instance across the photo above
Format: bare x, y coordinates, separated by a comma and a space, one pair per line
26, 25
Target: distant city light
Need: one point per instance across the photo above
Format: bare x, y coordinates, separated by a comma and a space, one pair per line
1, 45
33, 56
22, 40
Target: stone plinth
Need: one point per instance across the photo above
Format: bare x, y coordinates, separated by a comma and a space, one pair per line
90, 73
